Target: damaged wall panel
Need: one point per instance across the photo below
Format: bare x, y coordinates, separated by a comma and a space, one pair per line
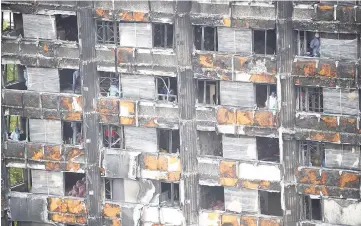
339, 49
342, 156
138, 87
43, 79
46, 182
141, 139
342, 212
45, 131
265, 172
27, 207
136, 35
209, 143
120, 164
241, 200
234, 40
237, 94
39, 26
340, 101
239, 147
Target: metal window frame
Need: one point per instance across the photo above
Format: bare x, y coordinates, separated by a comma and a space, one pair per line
11, 20
304, 103
165, 97
302, 52
108, 193
119, 131
74, 138
106, 32
170, 139
306, 207
305, 154
206, 83
19, 123
164, 37
172, 194
111, 76
215, 37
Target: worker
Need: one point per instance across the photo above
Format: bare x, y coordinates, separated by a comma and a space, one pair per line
315, 45
114, 89
271, 104
15, 135
76, 79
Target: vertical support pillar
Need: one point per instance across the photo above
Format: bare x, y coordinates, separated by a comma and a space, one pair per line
286, 95
187, 113
90, 91
4, 173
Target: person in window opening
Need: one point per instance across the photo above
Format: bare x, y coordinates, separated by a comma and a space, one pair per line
76, 80
271, 104
114, 89
315, 45
26, 77
15, 135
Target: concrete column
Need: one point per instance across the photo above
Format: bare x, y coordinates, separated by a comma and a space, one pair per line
90, 91
286, 96
187, 112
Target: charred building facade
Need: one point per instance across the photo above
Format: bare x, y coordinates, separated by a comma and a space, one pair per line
172, 113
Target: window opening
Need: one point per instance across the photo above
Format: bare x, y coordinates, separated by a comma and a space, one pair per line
208, 92
268, 149
304, 39
73, 133
75, 184
212, 197
166, 89
108, 188
264, 42
12, 23
205, 38
210, 143
270, 203
113, 136
67, 27
17, 127
109, 84
14, 76
312, 154
310, 99
169, 194
311, 208
266, 96
168, 140
163, 35
16, 176
105, 32
70, 81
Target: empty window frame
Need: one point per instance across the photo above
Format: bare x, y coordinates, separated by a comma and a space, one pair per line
270, 203
303, 43
11, 23
312, 154
163, 35
16, 176
310, 99
268, 149
75, 184
17, 127
208, 92
70, 81
166, 89
108, 188
106, 32
72, 133
113, 136
67, 27
264, 42
211, 197
109, 84
169, 195
263, 93
311, 208
14, 76
205, 38
168, 140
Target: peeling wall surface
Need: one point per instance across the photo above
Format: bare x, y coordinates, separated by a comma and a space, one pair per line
152, 161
